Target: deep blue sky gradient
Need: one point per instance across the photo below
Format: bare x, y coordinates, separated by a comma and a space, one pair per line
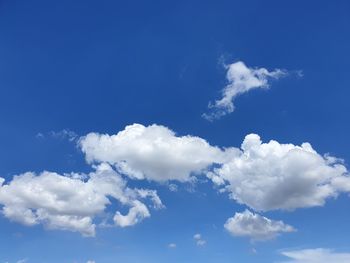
100, 65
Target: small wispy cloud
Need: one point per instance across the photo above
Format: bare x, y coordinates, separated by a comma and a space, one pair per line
199, 240
172, 245
65, 134
173, 187
317, 255
240, 79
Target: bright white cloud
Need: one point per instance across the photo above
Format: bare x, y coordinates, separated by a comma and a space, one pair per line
153, 152
318, 255
268, 176
256, 227
71, 202
136, 213
199, 240
263, 176
240, 79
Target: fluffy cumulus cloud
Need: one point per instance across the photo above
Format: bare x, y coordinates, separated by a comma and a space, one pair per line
240, 79
153, 152
263, 176
256, 227
318, 255
71, 202
269, 176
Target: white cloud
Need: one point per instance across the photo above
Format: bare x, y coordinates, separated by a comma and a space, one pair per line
153, 152
240, 79
263, 176
136, 213
318, 255
71, 202
268, 176
91, 261
256, 227
199, 240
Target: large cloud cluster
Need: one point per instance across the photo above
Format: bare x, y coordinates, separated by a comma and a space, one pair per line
262, 176
71, 202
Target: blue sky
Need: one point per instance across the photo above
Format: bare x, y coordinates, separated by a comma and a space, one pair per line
108, 98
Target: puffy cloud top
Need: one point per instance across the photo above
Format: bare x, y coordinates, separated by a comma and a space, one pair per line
268, 176
153, 152
256, 227
70, 202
